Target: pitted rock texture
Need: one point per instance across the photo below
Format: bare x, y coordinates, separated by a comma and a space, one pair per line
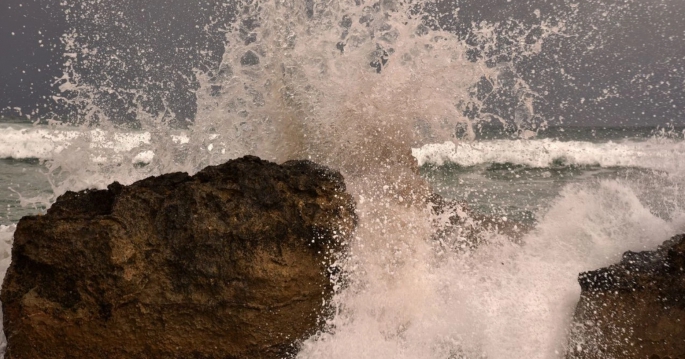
633, 309
233, 262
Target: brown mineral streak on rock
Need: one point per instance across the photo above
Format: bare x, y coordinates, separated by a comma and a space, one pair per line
234, 262
633, 309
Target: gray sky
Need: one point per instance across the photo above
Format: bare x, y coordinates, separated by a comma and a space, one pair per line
631, 50
29, 32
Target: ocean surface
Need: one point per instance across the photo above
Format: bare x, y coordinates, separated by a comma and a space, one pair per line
588, 194
489, 110
495, 173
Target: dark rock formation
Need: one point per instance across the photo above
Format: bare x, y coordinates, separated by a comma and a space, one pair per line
634, 309
233, 262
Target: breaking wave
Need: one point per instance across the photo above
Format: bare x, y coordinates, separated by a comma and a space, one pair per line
658, 154
355, 86
44, 143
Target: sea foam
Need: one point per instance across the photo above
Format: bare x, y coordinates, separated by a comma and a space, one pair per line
44, 142
503, 300
659, 154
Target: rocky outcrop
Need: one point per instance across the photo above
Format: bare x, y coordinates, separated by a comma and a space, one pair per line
233, 262
634, 309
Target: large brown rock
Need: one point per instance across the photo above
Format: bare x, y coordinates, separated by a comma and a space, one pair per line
634, 309
233, 262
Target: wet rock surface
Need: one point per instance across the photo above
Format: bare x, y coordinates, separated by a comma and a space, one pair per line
634, 309
233, 262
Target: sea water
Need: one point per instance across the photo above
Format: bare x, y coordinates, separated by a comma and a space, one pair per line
383, 93
587, 199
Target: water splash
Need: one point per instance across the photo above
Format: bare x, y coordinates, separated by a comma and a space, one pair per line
355, 86
504, 300
346, 83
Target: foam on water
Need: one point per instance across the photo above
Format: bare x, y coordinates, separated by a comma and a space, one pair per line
503, 300
45, 142
659, 154
78, 158
26, 142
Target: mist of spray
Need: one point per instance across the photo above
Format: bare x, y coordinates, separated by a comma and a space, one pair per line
354, 86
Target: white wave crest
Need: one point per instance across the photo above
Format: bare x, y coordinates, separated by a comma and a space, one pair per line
42, 142
652, 154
